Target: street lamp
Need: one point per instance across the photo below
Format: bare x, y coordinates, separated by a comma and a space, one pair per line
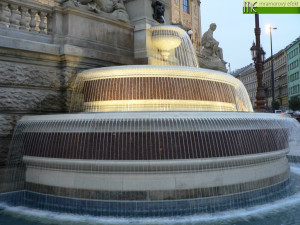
254, 53
269, 29
258, 55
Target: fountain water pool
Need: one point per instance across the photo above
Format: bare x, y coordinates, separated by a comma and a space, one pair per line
282, 211
151, 141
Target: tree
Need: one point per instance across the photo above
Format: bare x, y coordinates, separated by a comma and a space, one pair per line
294, 103
276, 105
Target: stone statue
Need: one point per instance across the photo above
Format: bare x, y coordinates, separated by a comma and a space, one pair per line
115, 8
211, 55
159, 11
119, 10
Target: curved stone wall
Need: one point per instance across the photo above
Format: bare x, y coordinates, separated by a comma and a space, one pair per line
151, 155
158, 88
149, 180
144, 138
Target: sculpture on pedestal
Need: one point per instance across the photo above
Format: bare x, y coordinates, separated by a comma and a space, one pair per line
211, 55
116, 8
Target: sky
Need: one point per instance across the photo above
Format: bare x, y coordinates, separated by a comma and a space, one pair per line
235, 30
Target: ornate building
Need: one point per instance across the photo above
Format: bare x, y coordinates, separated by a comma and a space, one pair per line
45, 43
293, 65
280, 80
186, 14
247, 75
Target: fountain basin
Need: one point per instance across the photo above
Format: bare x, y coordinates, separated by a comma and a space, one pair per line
158, 88
153, 156
166, 38
150, 181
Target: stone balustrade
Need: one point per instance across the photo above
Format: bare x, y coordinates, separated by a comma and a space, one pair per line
26, 16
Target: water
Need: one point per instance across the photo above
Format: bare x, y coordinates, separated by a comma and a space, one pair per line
170, 45
146, 164
151, 148
284, 211
157, 88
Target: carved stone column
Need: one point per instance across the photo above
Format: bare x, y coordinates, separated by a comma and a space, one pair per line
42, 25
32, 23
14, 22
4, 20
23, 11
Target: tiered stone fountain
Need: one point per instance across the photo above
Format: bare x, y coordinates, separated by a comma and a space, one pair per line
150, 140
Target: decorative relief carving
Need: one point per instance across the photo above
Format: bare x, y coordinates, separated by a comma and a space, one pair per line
115, 8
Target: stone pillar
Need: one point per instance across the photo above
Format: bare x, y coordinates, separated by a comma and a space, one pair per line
200, 28
49, 23
192, 22
42, 25
142, 20
180, 11
4, 20
56, 26
14, 22
23, 11
32, 23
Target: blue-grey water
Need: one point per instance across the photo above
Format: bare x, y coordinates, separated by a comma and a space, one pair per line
285, 211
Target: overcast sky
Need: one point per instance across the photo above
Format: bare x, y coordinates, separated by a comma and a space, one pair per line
235, 30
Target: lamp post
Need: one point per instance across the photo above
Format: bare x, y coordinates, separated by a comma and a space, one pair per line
272, 69
258, 55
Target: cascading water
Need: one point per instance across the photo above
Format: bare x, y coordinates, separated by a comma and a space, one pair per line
166, 139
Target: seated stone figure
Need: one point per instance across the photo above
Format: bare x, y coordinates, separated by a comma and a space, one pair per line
210, 45
211, 54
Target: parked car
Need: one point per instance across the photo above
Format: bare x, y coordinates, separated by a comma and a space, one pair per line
296, 113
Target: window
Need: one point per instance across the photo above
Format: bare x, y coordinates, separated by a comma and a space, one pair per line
293, 53
294, 76
186, 7
294, 89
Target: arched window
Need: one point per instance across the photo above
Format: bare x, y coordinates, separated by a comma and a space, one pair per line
186, 7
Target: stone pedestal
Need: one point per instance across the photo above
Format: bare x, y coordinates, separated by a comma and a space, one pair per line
212, 63
140, 15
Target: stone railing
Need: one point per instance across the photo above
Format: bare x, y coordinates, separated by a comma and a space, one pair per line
26, 15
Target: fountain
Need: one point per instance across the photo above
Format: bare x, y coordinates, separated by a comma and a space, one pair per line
164, 139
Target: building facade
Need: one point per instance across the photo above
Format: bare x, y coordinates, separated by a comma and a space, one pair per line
280, 80
293, 68
186, 14
44, 44
247, 75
